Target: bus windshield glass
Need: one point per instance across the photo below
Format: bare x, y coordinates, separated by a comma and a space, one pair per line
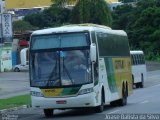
60, 68
59, 41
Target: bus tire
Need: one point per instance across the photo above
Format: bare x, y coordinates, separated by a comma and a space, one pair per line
48, 112
141, 84
123, 100
133, 81
114, 103
137, 85
100, 108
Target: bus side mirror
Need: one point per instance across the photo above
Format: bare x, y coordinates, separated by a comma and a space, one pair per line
93, 52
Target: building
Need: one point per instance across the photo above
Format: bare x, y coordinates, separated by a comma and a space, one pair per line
26, 4
129, 1
113, 5
111, 1
17, 4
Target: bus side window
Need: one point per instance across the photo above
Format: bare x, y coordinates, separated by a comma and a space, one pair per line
143, 59
138, 59
139, 56
134, 60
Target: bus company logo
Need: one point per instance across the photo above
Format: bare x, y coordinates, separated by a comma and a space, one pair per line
52, 92
49, 90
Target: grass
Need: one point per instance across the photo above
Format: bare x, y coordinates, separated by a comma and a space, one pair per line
15, 101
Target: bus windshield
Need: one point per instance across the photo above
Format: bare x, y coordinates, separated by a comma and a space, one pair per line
60, 68
59, 41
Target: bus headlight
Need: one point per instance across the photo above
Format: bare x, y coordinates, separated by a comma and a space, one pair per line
85, 91
37, 94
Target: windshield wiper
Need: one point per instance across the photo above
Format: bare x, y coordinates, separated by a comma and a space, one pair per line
54, 71
69, 75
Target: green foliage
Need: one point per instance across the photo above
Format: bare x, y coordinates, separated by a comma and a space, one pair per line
20, 26
84, 11
53, 16
141, 22
91, 11
15, 101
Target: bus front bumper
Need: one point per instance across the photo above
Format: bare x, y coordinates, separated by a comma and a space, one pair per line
85, 100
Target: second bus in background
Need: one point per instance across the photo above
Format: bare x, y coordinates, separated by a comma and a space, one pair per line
139, 72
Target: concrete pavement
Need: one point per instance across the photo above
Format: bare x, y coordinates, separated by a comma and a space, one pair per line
13, 84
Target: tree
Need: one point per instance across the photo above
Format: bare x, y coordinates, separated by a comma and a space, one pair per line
141, 23
143, 4
53, 16
122, 16
88, 11
21, 26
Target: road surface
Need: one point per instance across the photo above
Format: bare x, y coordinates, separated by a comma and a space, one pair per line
143, 101
14, 84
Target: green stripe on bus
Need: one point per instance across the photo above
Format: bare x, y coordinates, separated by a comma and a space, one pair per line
70, 91
110, 74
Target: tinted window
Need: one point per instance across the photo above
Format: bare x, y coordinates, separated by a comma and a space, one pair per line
137, 59
59, 41
112, 45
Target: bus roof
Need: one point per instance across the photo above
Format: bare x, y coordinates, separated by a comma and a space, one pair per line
136, 52
79, 28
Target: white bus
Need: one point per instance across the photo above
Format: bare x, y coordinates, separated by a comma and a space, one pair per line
79, 66
139, 73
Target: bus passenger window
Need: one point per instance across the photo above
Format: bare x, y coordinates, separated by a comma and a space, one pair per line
134, 61
141, 58
137, 59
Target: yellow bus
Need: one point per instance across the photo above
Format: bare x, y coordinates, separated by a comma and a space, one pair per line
79, 66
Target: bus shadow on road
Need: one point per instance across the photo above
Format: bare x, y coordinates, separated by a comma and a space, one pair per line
80, 112
75, 112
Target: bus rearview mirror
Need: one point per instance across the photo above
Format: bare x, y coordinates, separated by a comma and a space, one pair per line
93, 52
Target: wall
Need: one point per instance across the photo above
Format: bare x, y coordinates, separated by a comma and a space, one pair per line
6, 57
13, 4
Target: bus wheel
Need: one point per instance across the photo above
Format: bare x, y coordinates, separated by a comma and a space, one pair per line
114, 103
123, 100
137, 85
100, 108
48, 112
141, 84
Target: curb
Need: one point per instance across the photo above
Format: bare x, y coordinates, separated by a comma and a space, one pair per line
14, 109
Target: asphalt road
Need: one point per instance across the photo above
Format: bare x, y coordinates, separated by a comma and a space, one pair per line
17, 83
13, 84
143, 101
